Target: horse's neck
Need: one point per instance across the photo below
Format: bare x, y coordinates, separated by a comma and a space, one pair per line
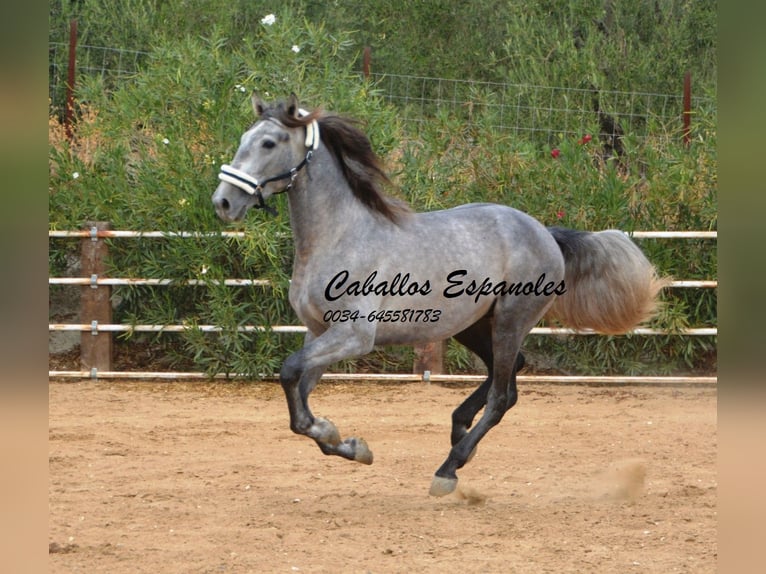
323, 208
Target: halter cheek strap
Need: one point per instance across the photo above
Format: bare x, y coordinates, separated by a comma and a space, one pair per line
252, 186
312, 132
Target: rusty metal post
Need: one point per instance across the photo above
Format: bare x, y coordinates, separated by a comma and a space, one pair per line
687, 108
95, 302
429, 357
366, 60
69, 110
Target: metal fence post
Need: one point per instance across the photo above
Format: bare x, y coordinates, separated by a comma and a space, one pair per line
366, 60
69, 110
687, 134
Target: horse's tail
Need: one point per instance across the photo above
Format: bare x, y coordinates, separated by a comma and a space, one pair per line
610, 285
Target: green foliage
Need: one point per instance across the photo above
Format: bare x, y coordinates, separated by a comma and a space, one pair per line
620, 46
148, 148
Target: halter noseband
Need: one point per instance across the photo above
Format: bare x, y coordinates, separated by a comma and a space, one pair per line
252, 186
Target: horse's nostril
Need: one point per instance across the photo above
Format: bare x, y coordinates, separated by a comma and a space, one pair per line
225, 204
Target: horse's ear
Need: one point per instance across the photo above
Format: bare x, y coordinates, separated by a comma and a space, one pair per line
258, 106
293, 108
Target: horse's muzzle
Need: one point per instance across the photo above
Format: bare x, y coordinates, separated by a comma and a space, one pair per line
223, 206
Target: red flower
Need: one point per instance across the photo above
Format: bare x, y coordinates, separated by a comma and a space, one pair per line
560, 214
555, 152
585, 139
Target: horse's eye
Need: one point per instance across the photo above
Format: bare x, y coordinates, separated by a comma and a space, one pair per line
268, 144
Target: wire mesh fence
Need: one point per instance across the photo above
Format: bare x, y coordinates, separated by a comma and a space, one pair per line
112, 64
540, 110
536, 112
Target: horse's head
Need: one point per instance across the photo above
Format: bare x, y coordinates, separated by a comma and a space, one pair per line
270, 156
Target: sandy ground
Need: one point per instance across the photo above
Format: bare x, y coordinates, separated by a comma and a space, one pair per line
207, 478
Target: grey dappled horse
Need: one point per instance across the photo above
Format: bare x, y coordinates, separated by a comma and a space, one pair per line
368, 271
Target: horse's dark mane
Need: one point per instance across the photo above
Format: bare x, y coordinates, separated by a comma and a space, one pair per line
351, 147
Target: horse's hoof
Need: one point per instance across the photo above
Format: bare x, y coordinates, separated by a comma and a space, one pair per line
441, 486
362, 452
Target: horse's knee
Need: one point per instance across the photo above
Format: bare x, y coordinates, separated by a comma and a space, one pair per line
291, 370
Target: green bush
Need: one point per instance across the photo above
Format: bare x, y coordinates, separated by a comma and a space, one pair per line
148, 148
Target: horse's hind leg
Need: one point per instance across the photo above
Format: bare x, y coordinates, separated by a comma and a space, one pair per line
478, 339
501, 395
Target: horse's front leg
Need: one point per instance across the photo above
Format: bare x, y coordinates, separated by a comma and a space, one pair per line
301, 372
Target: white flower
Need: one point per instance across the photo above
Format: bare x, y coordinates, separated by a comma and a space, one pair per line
240, 88
268, 20
166, 141
75, 175
204, 269
296, 48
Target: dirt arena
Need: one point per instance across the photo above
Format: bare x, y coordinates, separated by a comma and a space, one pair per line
207, 478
